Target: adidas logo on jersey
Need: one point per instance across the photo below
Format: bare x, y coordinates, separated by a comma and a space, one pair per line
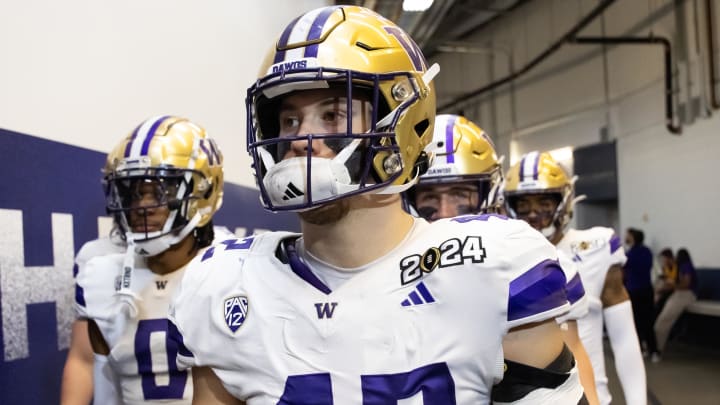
418, 296
291, 191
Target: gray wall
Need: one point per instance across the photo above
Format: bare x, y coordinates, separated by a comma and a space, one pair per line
668, 184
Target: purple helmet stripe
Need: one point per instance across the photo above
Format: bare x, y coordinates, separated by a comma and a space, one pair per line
282, 42
536, 166
207, 152
151, 134
522, 168
132, 139
449, 140
316, 31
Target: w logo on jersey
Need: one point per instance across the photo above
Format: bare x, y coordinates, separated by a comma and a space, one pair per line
236, 309
325, 309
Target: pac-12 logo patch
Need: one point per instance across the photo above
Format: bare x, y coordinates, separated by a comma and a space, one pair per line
236, 309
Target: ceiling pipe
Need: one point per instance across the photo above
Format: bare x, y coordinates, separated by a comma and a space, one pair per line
653, 40
534, 62
709, 10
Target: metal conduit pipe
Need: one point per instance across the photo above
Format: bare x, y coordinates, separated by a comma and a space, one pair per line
709, 13
534, 62
653, 40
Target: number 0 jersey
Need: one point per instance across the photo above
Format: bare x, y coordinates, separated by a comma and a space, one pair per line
141, 356
426, 320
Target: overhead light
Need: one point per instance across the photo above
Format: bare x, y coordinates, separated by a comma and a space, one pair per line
416, 5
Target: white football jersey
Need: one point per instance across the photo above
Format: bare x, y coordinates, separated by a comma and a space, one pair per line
574, 289
595, 250
141, 355
423, 324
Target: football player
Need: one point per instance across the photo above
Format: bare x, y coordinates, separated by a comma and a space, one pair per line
368, 305
464, 178
538, 190
77, 382
164, 183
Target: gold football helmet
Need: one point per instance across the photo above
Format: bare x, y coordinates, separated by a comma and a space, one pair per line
184, 168
463, 153
364, 55
539, 173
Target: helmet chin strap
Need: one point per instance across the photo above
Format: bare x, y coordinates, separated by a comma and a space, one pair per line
549, 231
125, 295
160, 244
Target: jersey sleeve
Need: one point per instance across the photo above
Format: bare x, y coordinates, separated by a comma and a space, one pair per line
617, 252
95, 285
88, 251
574, 289
197, 324
537, 289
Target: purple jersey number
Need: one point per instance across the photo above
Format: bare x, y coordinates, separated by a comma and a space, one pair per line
178, 379
434, 381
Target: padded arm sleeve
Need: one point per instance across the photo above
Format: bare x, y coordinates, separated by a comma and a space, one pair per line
626, 348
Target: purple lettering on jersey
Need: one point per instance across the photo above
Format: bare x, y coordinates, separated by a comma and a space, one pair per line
482, 217
575, 289
325, 309
411, 49
449, 141
177, 379
230, 244
316, 31
434, 381
80, 296
538, 290
177, 339
308, 389
615, 243
233, 244
208, 253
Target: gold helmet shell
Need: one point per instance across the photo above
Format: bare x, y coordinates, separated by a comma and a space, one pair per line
462, 152
167, 150
539, 173
352, 48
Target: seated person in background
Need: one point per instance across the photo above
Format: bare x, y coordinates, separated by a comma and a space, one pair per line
684, 294
665, 284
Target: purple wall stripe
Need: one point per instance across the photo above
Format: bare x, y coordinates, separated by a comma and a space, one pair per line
539, 289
